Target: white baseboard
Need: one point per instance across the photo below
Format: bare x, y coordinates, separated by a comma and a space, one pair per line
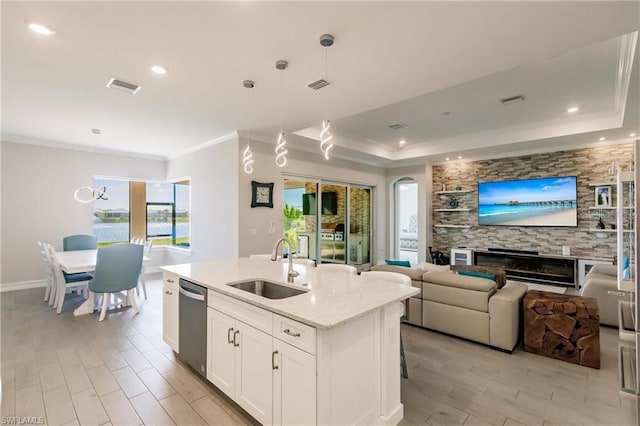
22, 285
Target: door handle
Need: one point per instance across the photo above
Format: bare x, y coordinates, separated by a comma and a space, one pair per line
235, 333
169, 280
229, 335
294, 334
168, 292
273, 360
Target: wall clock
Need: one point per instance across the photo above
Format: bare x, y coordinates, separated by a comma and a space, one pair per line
261, 194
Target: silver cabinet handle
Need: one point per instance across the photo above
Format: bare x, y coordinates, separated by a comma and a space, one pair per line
235, 333
169, 280
273, 360
287, 331
168, 292
229, 340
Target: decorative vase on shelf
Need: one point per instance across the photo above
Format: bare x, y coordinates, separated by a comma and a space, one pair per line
600, 224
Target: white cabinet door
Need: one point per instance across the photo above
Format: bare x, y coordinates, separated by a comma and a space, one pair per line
294, 386
254, 374
170, 306
221, 353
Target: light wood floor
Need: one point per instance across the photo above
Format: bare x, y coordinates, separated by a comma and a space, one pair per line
75, 370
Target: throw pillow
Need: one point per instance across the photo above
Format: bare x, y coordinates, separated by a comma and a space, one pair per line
430, 267
491, 277
398, 262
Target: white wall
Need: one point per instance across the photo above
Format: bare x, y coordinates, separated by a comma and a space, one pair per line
307, 165
37, 200
214, 200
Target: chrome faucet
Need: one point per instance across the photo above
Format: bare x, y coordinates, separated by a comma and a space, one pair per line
274, 256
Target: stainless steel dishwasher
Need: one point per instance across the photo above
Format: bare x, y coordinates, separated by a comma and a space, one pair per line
193, 326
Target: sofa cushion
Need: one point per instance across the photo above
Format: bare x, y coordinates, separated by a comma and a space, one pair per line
404, 263
430, 267
478, 274
611, 270
457, 290
460, 281
413, 273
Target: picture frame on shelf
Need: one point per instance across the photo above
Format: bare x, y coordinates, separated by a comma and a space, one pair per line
261, 194
603, 196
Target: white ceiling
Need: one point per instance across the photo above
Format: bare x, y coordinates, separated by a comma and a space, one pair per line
392, 62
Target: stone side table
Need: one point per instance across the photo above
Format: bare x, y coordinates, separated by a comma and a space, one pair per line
562, 327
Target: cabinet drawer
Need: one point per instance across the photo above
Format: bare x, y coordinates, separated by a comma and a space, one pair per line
295, 333
170, 280
245, 312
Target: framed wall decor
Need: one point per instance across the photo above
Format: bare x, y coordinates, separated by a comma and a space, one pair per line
261, 194
603, 196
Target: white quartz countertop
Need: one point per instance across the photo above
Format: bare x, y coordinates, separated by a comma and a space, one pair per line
332, 298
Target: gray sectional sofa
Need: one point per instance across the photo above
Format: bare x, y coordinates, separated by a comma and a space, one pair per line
465, 306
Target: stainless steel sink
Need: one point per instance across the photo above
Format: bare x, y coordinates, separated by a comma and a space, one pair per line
267, 289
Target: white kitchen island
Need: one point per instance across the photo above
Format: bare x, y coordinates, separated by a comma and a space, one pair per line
328, 356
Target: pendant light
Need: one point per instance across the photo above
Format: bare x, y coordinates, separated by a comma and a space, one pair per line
281, 151
86, 194
247, 155
326, 41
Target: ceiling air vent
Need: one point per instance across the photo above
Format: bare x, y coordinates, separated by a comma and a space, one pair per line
317, 85
123, 86
512, 100
398, 126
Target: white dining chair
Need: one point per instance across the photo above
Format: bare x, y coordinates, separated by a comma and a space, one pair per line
301, 261
64, 281
335, 267
50, 290
142, 281
394, 278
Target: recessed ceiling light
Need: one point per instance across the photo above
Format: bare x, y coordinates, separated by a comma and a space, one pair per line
159, 69
96, 131
459, 157
602, 138
572, 110
632, 135
447, 159
402, 143
41, 29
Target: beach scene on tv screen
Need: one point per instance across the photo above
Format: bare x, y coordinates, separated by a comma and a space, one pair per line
529, 202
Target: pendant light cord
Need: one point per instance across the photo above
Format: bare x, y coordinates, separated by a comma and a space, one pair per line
281, 100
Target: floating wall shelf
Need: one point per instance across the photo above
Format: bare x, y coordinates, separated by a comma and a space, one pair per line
461, 191
452, 226
612, 183
451, 210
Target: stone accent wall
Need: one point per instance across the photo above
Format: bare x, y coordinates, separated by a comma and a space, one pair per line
590, 165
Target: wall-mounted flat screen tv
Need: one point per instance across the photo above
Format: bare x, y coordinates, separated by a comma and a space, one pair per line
329, 203
529, 202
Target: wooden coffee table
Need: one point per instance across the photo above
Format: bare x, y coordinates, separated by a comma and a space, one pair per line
562, 327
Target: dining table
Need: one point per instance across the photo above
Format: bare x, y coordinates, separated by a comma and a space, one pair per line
76, 261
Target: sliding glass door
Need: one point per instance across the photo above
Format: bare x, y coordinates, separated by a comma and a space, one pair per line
334, 227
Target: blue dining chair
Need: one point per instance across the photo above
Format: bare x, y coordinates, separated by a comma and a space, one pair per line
117, 270
79, 242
